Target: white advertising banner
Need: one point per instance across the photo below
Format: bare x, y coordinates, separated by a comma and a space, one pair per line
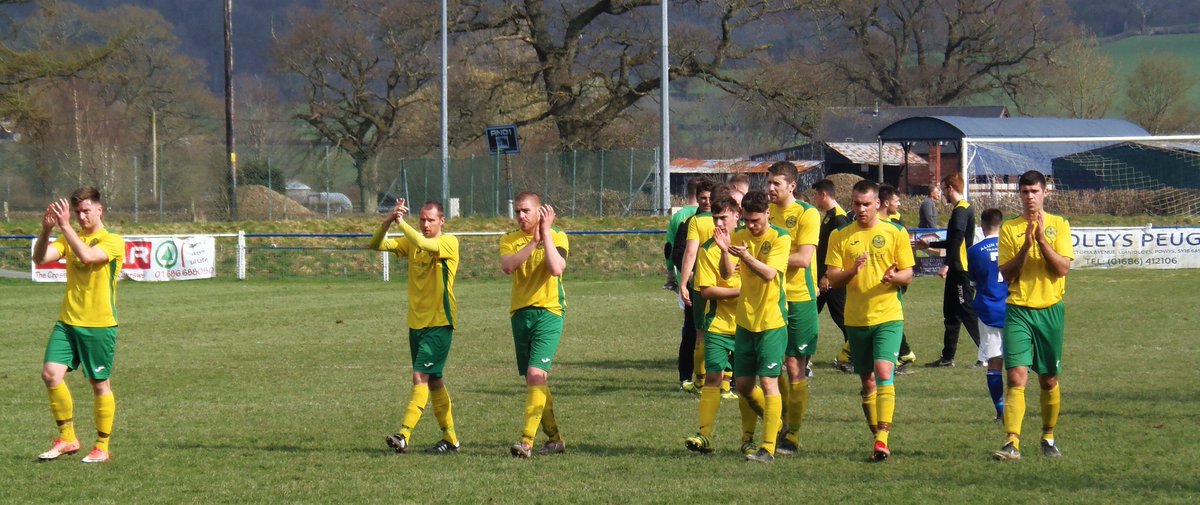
153, 259
1144, 247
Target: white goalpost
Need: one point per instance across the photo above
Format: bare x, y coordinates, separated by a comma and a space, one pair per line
1156, 175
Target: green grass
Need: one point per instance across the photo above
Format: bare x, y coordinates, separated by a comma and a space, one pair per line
282, 391
1128, 51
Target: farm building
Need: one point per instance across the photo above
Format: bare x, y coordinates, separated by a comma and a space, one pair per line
683, 169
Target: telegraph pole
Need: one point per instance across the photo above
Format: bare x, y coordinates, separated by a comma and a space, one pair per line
231, 154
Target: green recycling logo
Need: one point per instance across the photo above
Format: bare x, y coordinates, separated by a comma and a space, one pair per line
167, 254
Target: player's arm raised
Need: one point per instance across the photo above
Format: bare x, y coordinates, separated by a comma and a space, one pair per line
88, 255
42, 252
556, 260
1059, 264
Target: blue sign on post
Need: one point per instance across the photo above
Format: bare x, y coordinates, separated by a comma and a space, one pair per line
502, 139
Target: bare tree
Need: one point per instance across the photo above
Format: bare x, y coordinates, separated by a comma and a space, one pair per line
365, 69
593, 60
1157, 94
1078, 82
932, 52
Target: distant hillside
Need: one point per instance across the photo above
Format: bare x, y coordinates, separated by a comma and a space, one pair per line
1126, 52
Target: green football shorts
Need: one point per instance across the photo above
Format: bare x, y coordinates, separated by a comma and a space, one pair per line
758, 352
1033, 338
801, 328
717, 348
429, 348
536, 332
91, 347
869, 344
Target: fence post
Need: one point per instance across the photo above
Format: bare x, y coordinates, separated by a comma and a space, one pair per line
270, 188
385, 259
546, 176
241, 255
135, 188
574, 184
601, 184
629, 208
471, 170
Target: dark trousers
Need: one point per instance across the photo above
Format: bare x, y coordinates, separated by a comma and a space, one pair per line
957, 310
836, 300
687, 345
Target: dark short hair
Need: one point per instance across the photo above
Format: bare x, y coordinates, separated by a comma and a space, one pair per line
692, 184
85, 193
886, 192
991, 218
705, 185
864, 186
825, 186
723, 203
755, 201
435, 204
784, 168
1031, 178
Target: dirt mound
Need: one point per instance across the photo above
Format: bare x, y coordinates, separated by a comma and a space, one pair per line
258, 202
843, 184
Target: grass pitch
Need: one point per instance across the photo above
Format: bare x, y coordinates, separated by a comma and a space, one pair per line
282, 391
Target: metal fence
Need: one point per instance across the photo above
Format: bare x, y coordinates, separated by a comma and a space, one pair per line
188, 181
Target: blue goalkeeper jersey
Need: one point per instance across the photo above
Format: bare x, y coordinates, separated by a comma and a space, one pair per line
990, 289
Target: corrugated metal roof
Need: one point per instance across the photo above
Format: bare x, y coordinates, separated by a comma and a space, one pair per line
868, 154
694, 166
954, 128
863, 124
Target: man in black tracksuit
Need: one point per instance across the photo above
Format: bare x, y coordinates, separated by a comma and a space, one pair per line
957, 309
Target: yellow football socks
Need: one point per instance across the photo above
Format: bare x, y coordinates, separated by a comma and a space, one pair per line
1014, 413
442, 409
797, 404
549, 423
1050, 407
710, 403
752, 406
869, 411
416, 406
771, 422
885, 407
535, 403
785, 393
106, 410
844, 355
726, 379
698, 362
63, 410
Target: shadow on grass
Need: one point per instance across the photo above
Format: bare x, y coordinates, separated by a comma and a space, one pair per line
634, 364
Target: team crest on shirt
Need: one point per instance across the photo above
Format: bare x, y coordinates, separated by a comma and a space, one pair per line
94, 242
878, 242
790, 222
766, 248
1051, 233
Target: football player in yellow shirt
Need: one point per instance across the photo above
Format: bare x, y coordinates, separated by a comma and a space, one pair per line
1035, 257
85, 335
722, 294
761, 336
536, 256
432, 313
873, 259
699, 229
803, 223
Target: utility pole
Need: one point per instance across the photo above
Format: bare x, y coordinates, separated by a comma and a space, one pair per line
231, 157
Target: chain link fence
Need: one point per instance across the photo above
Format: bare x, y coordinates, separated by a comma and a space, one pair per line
187, 181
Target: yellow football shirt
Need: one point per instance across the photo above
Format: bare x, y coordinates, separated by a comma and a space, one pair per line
91, 299
1037, 288
762, 304
708, 273
803, 223
870, 301
700, 229
431, 301
532, 284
